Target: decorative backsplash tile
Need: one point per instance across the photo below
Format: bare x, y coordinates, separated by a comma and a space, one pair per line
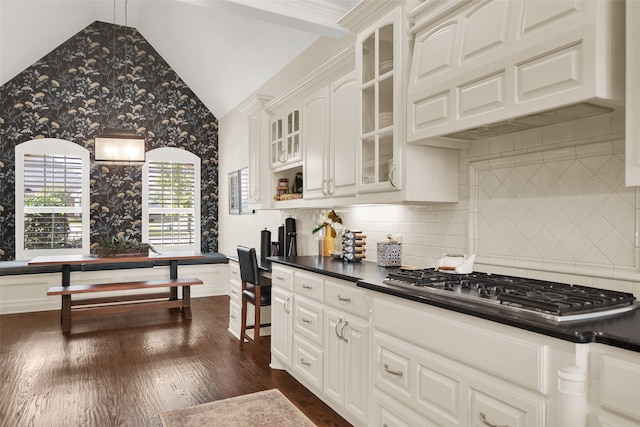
566, 210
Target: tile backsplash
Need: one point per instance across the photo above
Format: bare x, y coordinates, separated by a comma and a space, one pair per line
548, 203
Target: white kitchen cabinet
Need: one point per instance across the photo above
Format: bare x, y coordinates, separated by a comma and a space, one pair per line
346, 347
614, 395
235, 304
284, 137
632, 111
258, 121
508, 378
282, 317
330, 135
387, 169
485, 68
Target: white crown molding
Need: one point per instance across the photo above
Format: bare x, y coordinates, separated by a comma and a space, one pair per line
336, 67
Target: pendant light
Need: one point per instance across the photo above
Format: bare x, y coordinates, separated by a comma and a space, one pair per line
119, 145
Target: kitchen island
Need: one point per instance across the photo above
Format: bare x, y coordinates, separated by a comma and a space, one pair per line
437, 360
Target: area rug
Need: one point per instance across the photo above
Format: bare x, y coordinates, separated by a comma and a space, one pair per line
264, 408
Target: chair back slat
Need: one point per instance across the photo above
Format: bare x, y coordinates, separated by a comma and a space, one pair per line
248, 265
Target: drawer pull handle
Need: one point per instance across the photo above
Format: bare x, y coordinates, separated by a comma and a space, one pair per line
344, 299
233, 316
389, 371
305, 363
234, 272
233, 291
280, 278
483, 418
286, 302
307, 321
306, 286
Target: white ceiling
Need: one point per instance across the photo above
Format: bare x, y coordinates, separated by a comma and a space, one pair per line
223, 49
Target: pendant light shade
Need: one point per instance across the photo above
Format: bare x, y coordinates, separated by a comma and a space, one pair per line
119, 146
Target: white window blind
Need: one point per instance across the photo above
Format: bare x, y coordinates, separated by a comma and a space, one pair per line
172, 194
52, 198
52, 201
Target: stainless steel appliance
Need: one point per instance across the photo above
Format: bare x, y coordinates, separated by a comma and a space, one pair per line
527, 298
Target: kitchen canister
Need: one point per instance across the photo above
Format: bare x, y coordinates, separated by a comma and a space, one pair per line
389, 252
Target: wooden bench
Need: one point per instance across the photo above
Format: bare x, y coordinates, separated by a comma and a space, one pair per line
123, 303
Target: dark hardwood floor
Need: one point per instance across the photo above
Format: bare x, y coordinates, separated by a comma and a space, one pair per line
126, 369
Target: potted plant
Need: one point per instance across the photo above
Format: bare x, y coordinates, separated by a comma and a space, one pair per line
122, 245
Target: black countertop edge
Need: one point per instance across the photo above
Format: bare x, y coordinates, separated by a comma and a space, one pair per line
622, 330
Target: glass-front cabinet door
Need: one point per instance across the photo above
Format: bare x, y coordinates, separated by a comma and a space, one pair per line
277, 146
379, 81
285, 138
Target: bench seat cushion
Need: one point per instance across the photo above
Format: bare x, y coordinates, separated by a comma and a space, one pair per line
11, 268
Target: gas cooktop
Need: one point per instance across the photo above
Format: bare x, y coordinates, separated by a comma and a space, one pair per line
558, 302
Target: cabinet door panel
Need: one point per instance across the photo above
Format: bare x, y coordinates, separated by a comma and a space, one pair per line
281, 340
485, 28
434, 52
550, 74
334, 357
539, 16
344, 137
315, 131
356, 356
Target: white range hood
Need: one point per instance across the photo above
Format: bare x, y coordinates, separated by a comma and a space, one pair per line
486, 68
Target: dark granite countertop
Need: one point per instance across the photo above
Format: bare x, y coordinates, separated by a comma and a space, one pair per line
621, 330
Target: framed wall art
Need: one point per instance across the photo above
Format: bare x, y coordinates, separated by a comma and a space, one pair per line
234, 193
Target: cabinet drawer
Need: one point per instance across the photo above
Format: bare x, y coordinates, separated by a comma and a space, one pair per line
393, 369
619, 381
346, 297
234, 319
235, 292
307, 319
307, 361
282, 277
390, 413
515, 355
234, 271
503, 406
308, 285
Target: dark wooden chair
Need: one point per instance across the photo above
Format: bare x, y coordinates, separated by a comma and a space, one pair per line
256, 290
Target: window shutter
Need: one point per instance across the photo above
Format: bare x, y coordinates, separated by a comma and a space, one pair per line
172, 195
53, 196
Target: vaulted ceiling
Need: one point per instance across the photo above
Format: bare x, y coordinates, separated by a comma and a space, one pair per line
223, 49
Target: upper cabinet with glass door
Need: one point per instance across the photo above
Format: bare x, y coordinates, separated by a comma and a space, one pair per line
377, 57
286, 148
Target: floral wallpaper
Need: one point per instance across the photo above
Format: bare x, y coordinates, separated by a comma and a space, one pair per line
106, 76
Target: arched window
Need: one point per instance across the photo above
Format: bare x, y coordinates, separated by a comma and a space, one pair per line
171, 200
52, 198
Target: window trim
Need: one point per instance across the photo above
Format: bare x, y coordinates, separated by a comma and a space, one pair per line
174, 155
52, 147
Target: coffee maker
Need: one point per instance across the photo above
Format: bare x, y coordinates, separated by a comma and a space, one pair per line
287, 237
